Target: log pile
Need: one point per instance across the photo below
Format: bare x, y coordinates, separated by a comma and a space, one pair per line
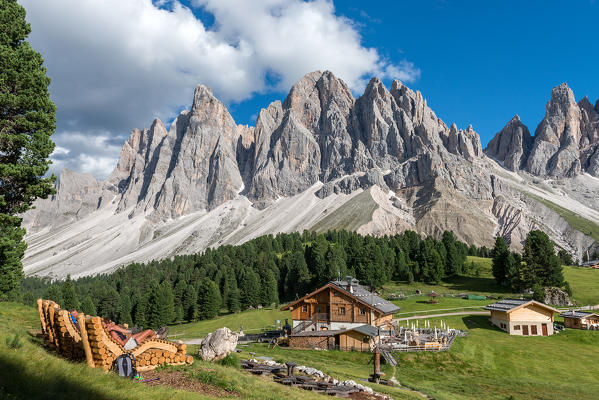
91, 341
59, 331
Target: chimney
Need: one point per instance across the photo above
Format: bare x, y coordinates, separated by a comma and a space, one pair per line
349, 287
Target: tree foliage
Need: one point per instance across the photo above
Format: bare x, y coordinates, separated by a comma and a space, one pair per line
27, 120
261, 272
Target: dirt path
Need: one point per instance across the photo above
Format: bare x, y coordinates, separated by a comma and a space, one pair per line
443, 315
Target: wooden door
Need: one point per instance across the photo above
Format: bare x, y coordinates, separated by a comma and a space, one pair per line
525, 330
544, 328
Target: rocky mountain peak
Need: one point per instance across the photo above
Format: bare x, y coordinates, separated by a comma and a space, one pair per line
555, 151
511, 145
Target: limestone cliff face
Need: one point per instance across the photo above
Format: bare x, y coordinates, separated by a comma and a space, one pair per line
319, 148
77, 195
565, 142
511, 145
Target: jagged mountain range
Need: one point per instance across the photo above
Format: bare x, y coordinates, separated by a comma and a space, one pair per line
322, 159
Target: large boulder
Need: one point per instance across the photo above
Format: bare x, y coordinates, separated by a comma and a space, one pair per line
556, 297
218, 344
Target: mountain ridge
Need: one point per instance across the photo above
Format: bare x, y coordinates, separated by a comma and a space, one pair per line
310, 155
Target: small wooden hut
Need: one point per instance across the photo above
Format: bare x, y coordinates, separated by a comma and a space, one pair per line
580, 320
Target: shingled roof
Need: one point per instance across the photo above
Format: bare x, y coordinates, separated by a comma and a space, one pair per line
577, 314
509, 305
358, 292
363, 294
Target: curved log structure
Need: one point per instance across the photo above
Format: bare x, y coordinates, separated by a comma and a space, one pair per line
91, 340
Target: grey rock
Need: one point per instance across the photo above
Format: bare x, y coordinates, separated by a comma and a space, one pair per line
554, 296
218, 344
77, 195
511, 146
555, 150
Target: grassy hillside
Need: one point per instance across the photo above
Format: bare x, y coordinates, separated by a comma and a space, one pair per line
488, 364
350, 216
252, 321
575, 220
31, 372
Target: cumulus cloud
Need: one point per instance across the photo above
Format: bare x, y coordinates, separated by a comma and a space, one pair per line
116, 65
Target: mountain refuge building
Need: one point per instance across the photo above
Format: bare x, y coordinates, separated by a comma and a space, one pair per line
522, 317
341, 314
580, 320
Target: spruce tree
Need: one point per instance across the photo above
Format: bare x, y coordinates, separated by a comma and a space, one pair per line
500, 255
69, 297
161, 306
209, 300
140, 310
452, 261
88, 307
27, 120
234, 302
189, 303
108, 303
542, 265
124, 309
54, 293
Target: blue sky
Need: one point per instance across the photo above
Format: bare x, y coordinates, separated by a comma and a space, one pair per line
116, 65
481, 62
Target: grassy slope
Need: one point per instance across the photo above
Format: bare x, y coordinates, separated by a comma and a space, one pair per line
350, 216
498, 365
34, 373
252, 321
584, 283
488, 364
576, 221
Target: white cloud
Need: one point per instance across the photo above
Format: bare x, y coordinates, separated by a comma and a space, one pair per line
116, 64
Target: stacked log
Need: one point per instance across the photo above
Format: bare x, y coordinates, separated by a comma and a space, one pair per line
103, 350
92, 342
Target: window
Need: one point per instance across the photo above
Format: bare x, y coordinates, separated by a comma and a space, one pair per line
341, 310
335, 294
304, 308
503, 326
362, 311
533, 329
516, 327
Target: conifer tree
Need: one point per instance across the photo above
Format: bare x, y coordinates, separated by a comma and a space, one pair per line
27, 119
161, 306
233, 302
108, 303
209, 300
124, 310
54, 293
88, 307
250, 289
189, 303
69, 296
500, 254
140, 310
542, 265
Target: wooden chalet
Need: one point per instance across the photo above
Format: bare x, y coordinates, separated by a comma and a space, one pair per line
580, 320
341, 314
522, 317
591, 264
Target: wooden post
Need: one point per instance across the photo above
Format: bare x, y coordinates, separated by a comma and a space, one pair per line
40, 309
377, 364
51, 322
84, 340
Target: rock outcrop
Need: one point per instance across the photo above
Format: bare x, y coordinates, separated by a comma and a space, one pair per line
566, 142
554, 296
512, 145
321, 159
218, 344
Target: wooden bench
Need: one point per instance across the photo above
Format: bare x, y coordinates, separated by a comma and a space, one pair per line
92, 342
